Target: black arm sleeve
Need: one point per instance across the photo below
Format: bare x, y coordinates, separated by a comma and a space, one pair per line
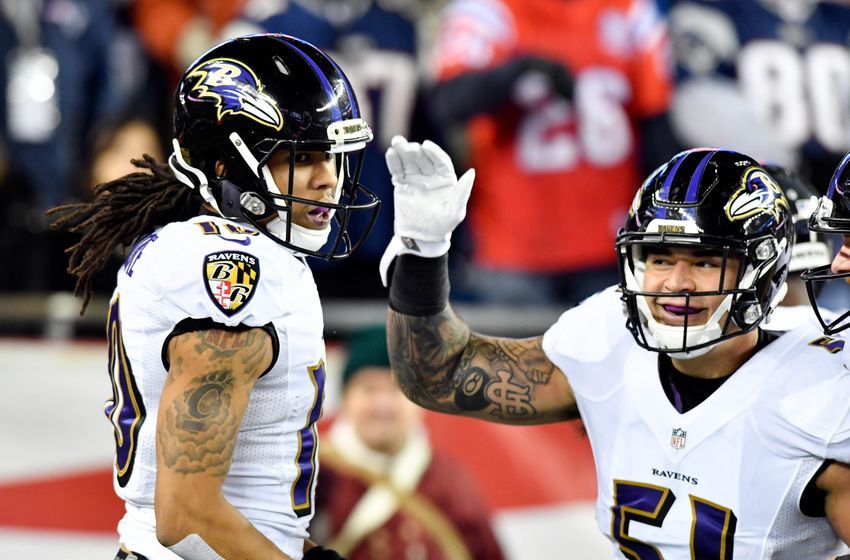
419, 285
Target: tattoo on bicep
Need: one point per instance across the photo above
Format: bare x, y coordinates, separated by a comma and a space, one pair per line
510, 398
174, 370
479, 389
201, 428
536, 366
257, 360
225, 343
471, 393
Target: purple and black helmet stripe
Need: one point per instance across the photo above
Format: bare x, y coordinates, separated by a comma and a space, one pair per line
693, 186
328, 87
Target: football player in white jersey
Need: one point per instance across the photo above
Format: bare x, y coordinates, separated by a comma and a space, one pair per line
217, 355
712, 438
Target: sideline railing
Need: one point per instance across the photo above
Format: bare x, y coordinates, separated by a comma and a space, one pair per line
56, 315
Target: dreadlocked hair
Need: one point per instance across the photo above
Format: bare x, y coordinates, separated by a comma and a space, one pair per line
121, 213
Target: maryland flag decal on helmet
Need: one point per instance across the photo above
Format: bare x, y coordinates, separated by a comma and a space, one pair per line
230, 278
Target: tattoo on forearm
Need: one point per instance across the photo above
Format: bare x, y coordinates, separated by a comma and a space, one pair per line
422, 353
200, 429
441, 365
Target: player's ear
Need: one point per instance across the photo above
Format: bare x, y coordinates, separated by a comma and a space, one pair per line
220, 169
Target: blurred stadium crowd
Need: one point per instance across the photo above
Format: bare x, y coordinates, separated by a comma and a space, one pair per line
561, 106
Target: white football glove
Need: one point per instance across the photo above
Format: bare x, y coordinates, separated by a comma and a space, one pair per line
430, 201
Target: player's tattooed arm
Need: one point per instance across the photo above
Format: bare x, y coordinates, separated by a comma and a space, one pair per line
442, 365
204, 397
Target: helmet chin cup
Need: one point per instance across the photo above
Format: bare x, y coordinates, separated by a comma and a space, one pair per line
299, 237
684, 342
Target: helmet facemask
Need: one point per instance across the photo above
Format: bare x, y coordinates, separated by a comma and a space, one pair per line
824, 221
831, 217
740, 311
247, 99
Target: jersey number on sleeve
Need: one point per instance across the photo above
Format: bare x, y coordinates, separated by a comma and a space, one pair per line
305, 459
125, 409
712, 528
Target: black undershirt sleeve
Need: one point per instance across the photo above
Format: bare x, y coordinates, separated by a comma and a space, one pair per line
812, 499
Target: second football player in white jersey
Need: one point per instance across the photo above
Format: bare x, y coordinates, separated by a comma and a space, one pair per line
215, 328
713, 438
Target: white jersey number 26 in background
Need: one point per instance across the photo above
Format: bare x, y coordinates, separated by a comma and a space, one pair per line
557, 135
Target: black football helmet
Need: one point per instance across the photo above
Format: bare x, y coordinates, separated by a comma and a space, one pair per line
811, 249
243, 100
831, 216
719, 201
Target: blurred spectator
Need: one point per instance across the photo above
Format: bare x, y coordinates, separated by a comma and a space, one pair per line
376, 42
65, 75
383, 491
565, 104
770, 78
178, 31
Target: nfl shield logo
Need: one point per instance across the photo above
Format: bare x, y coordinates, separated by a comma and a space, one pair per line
677, 440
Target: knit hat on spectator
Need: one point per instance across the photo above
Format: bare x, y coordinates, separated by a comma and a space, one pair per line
367, 347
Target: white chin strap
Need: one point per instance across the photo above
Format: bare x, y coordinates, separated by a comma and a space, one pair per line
301, 237
669, 336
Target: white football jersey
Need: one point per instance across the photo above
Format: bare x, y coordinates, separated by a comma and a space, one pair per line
192, 275
723, 480
786, 318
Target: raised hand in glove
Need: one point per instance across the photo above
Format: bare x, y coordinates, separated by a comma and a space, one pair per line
430, 200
